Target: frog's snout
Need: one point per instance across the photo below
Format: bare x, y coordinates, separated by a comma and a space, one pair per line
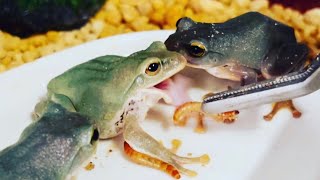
171, 44
95, 136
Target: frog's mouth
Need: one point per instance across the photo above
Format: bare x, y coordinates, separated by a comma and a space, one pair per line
173, 90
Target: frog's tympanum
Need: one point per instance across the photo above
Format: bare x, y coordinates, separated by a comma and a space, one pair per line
114, 93
51, 148
247, 48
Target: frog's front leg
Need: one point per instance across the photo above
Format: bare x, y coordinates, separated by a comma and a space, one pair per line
138, 139
280, 105
235, 72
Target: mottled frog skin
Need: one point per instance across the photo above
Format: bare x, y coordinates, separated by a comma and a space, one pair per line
241, 48
51, 148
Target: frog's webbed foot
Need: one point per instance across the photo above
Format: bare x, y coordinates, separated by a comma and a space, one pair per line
190, 109
287, 58
156, 152
280, 105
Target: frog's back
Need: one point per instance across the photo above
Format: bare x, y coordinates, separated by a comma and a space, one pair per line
85, 84
91, 74
248, 28
250, 37
92, 70
257, 21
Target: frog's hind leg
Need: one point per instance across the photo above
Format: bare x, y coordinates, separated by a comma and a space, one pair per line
283, 60
138, 139
280, 105
147, 160
286, 59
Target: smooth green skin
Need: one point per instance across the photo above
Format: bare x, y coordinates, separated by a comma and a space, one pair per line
100, 88
49, 148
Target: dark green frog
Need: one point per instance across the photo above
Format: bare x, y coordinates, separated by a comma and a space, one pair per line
241, 48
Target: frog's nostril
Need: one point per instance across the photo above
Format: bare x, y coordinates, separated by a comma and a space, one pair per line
95, 136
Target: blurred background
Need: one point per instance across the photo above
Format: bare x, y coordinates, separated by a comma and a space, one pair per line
30, 29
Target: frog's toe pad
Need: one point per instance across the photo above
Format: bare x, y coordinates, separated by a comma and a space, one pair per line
204, 159
296, 114
281, 105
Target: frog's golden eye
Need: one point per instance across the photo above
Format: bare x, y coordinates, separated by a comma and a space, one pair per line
153, 69
197, 49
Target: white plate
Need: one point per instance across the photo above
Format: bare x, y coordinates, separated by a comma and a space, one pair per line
251, 148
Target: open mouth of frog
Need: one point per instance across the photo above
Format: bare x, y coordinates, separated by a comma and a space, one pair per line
168, 90
173, 93
173, 90
159, 91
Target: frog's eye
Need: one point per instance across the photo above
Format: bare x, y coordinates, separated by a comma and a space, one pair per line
196, 49
153, 69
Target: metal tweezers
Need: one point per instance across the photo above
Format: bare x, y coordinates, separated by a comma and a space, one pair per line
293, 85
